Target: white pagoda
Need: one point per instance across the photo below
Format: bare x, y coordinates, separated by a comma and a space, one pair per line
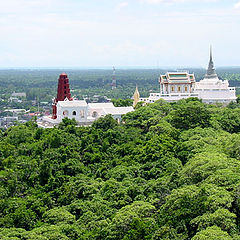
211, 89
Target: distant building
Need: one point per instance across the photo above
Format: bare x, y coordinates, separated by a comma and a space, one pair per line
99, 99
20, 94
16, 111
7, 122
15, 97
179, 85
15, 100
84, 113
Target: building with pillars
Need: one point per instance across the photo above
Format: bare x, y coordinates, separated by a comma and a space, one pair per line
84, 113
179, 85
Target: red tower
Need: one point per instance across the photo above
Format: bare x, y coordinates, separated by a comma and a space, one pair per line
62, 93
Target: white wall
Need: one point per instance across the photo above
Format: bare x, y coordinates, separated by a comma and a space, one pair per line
81, 113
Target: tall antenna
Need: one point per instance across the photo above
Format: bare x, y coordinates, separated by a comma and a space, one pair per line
114, 82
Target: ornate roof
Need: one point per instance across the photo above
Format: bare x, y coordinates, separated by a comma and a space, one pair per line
177, 77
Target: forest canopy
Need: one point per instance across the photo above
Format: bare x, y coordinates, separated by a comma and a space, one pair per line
168, 171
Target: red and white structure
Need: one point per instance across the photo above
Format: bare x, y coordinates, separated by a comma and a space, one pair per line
63, 93
85, 114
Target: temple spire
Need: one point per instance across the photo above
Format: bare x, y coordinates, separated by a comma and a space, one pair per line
63, 93
211, 53
211, 72
136, 97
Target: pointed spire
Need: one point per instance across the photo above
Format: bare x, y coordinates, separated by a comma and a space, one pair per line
136, 97
211, 53
211, 73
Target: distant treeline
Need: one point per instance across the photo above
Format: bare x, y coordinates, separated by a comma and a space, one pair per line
39, 83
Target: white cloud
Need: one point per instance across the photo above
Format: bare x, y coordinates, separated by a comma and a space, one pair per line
123, 4
154, 1
22, 6
175, 1
70, 33
237, 5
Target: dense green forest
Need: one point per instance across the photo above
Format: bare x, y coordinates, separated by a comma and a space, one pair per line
41, 84
168, 171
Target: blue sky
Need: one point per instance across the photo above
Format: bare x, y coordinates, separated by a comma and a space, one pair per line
103, 33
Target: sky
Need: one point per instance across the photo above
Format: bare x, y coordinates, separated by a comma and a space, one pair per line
128, 33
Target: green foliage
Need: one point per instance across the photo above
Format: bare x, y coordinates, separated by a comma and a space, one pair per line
58, 215
122, 102
66, 122
133, 221
209, 166
228, 119
168, 171
190, 114
105, 123
212, 233
221, 218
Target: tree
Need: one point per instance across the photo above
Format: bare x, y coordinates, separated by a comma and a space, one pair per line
228, 119
221, 218
208, 165
189, 114
212, 233
134, 221
105, 123
122, 102
58, 215
189, 202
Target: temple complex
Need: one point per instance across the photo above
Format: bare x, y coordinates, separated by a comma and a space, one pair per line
84, 113
173, 86
179, 85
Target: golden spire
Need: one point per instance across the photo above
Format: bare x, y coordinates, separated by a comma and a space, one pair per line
136, 97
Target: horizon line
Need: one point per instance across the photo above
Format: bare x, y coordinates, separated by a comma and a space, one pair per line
117, 67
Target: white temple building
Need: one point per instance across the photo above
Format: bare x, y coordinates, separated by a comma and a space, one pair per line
179, 85
85, 114
64, 106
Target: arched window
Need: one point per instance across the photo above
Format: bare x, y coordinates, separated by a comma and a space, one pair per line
94, 114
74, 113
185, 89
179, 89
65, 113
172, 89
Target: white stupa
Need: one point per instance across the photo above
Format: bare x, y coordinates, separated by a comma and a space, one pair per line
211, 89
